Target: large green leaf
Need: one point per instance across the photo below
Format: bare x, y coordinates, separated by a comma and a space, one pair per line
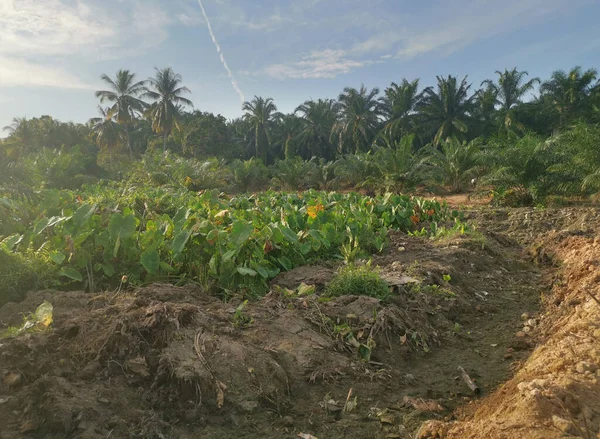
240, 232
179, 242
245, 271
150, 260
83, 214
121, 227
71, 273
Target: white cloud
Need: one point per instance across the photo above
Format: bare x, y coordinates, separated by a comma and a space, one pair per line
36, 37
18, 72
318, 64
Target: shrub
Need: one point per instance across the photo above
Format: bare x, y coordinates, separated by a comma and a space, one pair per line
358, 280
20, 274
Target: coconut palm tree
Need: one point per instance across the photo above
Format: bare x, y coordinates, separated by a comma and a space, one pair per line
447, 110
569, 92
260, 114
318, 118
21, 133
359, 118
510, 89
104, 129
166, 91
399, 105
123, 93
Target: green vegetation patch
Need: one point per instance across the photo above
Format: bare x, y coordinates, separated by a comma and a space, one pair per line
358, 280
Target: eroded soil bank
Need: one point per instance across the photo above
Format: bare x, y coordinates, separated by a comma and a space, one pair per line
556, 393
169, 362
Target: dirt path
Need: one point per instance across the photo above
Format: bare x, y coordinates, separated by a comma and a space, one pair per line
171, 362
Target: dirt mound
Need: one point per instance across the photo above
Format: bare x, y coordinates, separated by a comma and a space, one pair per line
555, 393
169, 362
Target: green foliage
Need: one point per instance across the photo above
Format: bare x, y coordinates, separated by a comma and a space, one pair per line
232, 243
454, 163
21, 273
358, 280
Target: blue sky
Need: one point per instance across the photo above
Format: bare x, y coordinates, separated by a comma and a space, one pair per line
52, 52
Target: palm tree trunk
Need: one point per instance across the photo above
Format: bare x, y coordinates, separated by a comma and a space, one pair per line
128, 141
165, 142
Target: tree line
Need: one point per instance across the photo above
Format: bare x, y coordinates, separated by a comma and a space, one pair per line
387, 136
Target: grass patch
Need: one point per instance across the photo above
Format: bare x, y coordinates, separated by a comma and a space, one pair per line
358, 280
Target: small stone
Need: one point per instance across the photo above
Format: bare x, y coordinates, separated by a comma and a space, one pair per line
564, 425
89, 371
508, 356
409, 377
535, 393
526, 329
28, 427
585, 366
520, 334
103, 401
191, 415
510, 350
11, 379
249, 406
525, 316
531, 322
401, 249
288, 421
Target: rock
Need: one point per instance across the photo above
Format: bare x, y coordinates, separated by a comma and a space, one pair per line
531, 322
526, 329
508, 356
103, 401
11, 379
288, 421
410, 378
535, 393
139, 367
89, 371
586, 366
191, 415
525, 316
28, 426
520, 334
565, 426
249, 406
293, 327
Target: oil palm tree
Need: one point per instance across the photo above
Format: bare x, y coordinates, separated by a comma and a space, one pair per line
454, 163
359, 118
123, 94
166, 91
105, 130
285, 134
318, 118
484, 111
510, 89
569, 92
399, 105
447, 110
260, 114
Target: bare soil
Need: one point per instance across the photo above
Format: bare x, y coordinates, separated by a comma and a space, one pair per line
175, 362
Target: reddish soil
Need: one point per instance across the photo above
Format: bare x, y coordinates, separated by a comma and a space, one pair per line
174, 362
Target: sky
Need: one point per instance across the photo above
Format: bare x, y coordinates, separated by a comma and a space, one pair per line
52, 52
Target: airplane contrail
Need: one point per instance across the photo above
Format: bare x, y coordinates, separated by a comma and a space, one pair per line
234, 82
